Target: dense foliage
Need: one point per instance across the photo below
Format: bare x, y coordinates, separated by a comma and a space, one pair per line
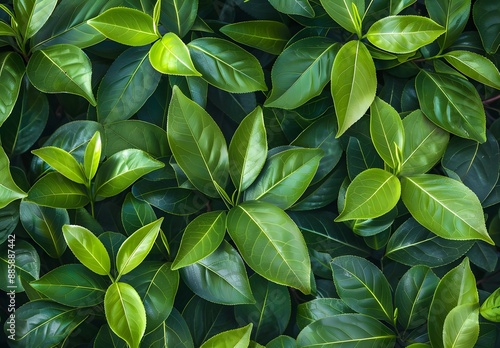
229, 173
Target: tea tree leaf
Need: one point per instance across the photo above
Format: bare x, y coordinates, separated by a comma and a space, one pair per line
354, 84
125, 313
9, 190
342, 12
178, 16
490, 309
125, 25
171, 56
31, 15
11, 74
62, 162
294, 7
56, 191
92, 156
475, 66
485, 14
319, 308
445, 206
237, 338
461, 326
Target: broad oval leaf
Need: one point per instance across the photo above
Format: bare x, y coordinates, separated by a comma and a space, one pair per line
282, 341
56, 191
270, 243
309, 312
452, 103
125, 313
490, 309
363, 287
354, 84
27, 265
461, 326
92, 156
346, 330
371, 194
301, 72
62, 68
485, 14
87, 248
9, 191
200, 238
128, 83
178, 16
72, 285
11, 74
197, 144
342, 12
452, 15
227, 66
171, 56
62, 162
237, 338
403, 34
31, 15
127, 26
294, 7
444, 206
475, 66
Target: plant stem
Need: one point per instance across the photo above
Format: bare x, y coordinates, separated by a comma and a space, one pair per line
491, 100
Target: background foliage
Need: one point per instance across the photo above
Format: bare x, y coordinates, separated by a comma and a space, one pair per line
250, 173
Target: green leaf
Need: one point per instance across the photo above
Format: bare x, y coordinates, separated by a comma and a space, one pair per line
445, 206
294, 7
490, 309
62, 162
399, 5
319, 308
135, 214
6, 30
9, 191
128, 83
371, 194
387, 133
87, 248
354, 84
363, 287
270, 312
403, 34
200, 238
125, 25
361, 155
285, 177
121, 170
475, 66
282, 342
174, 332
486, 19
44, 226
31, 15
266, 35
72, 285
55, 190
247, 149
270, 243
92, 156
220, 277
237, 338
301, 72
424, 144
61, 68
461, 326
107, 338
413, 296
456, 288
178, 16
136, 247
193, 135
452, 103
342, 12
125, 313
171, 56
11, 75
346, 330
227, 66
27, 264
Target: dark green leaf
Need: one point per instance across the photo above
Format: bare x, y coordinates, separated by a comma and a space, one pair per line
135, 214
107, 338
361, 155
9, 190
452, 15
282, 342
26, 263
487, 20
319, 308
483, 255
174, 333
294, 7
400, 5
55, 190
11, 75
178, 16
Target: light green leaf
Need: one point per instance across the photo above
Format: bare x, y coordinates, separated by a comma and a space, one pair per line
125, 313
237, 338
475, 66
92, 156
371, 194
178, 16
354, 84
285, 177
461, 327
452, 15
399, 5
121, 170
87, 248
487, 20
171, 56
403, 34
445, 206
490, 309
9, 191
294, 7
227, 66
61, 68
452, 103
11, 74
197, 143
62, 162
270, 243
136, 247
55, 190
125, 25
266, 35
301, 72
6, 30
387, 133
31, 15
342, 12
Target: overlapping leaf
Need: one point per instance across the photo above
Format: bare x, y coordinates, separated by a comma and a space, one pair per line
11, 74
9, 189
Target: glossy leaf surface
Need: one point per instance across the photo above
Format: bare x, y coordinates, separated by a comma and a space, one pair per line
452, 15
171, 56
10, 191
178, 16
490, 309
342, 12
461, 326
92, 156
298, 7
56, 191
11, 74
475, 66
237, 338
62, 162
486, 19
31, 15
319, 308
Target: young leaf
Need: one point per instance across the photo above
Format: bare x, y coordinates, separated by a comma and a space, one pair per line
197, 144
461, 326
342, 12
363, 287
125, 313
55, 190
294, 7
200, 238
62, 162
475, 66
87, 248
490, 309
237, 338
485, 14
403, 34
9, 191
31, 15
371, 194
445, 206
125, 25
136, 247
226, 65
6, 30
171, 56
92, 156
354, 84
178, 16
270, 243
11, 74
